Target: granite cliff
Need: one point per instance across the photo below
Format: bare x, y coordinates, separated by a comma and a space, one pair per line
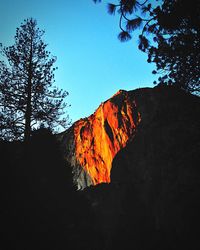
152, 201
91, 144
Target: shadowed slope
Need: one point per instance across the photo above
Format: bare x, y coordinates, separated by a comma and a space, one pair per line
152, 201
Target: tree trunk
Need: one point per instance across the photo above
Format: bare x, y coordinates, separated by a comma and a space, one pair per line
27, 131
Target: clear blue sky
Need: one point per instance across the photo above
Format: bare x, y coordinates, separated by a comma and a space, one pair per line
92, 63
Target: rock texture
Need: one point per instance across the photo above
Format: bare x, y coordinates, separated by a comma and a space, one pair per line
92, 143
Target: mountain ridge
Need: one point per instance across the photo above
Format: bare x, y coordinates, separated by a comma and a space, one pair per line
95, 140
152, 201
92, 143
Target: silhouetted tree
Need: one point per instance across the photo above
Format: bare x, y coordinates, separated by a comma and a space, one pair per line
28, 98
170, 35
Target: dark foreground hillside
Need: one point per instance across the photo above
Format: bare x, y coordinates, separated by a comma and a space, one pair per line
152, 202
40, 208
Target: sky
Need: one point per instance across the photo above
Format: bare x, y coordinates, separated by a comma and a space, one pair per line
92, 63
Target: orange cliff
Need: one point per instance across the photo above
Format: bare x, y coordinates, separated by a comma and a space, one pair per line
98, 138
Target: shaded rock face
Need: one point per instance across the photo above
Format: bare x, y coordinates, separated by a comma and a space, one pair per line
152, 201
93, 142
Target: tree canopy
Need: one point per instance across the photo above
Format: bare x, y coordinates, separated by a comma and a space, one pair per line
170, 35
28, 97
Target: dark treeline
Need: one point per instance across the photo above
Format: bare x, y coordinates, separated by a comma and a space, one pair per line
40, 207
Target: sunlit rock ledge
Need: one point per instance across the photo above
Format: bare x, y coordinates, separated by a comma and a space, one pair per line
92, 143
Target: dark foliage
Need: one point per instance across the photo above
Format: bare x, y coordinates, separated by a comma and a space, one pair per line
28, 98
170, 36
40, 209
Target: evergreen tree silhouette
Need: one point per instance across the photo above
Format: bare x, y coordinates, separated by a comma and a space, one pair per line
28, 98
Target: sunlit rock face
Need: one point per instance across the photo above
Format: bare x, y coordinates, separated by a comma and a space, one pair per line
93, 142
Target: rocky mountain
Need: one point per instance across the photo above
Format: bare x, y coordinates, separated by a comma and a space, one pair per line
152, 201
143, 149
92, 143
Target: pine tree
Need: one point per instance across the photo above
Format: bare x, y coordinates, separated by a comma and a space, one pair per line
170, 35
28, 97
